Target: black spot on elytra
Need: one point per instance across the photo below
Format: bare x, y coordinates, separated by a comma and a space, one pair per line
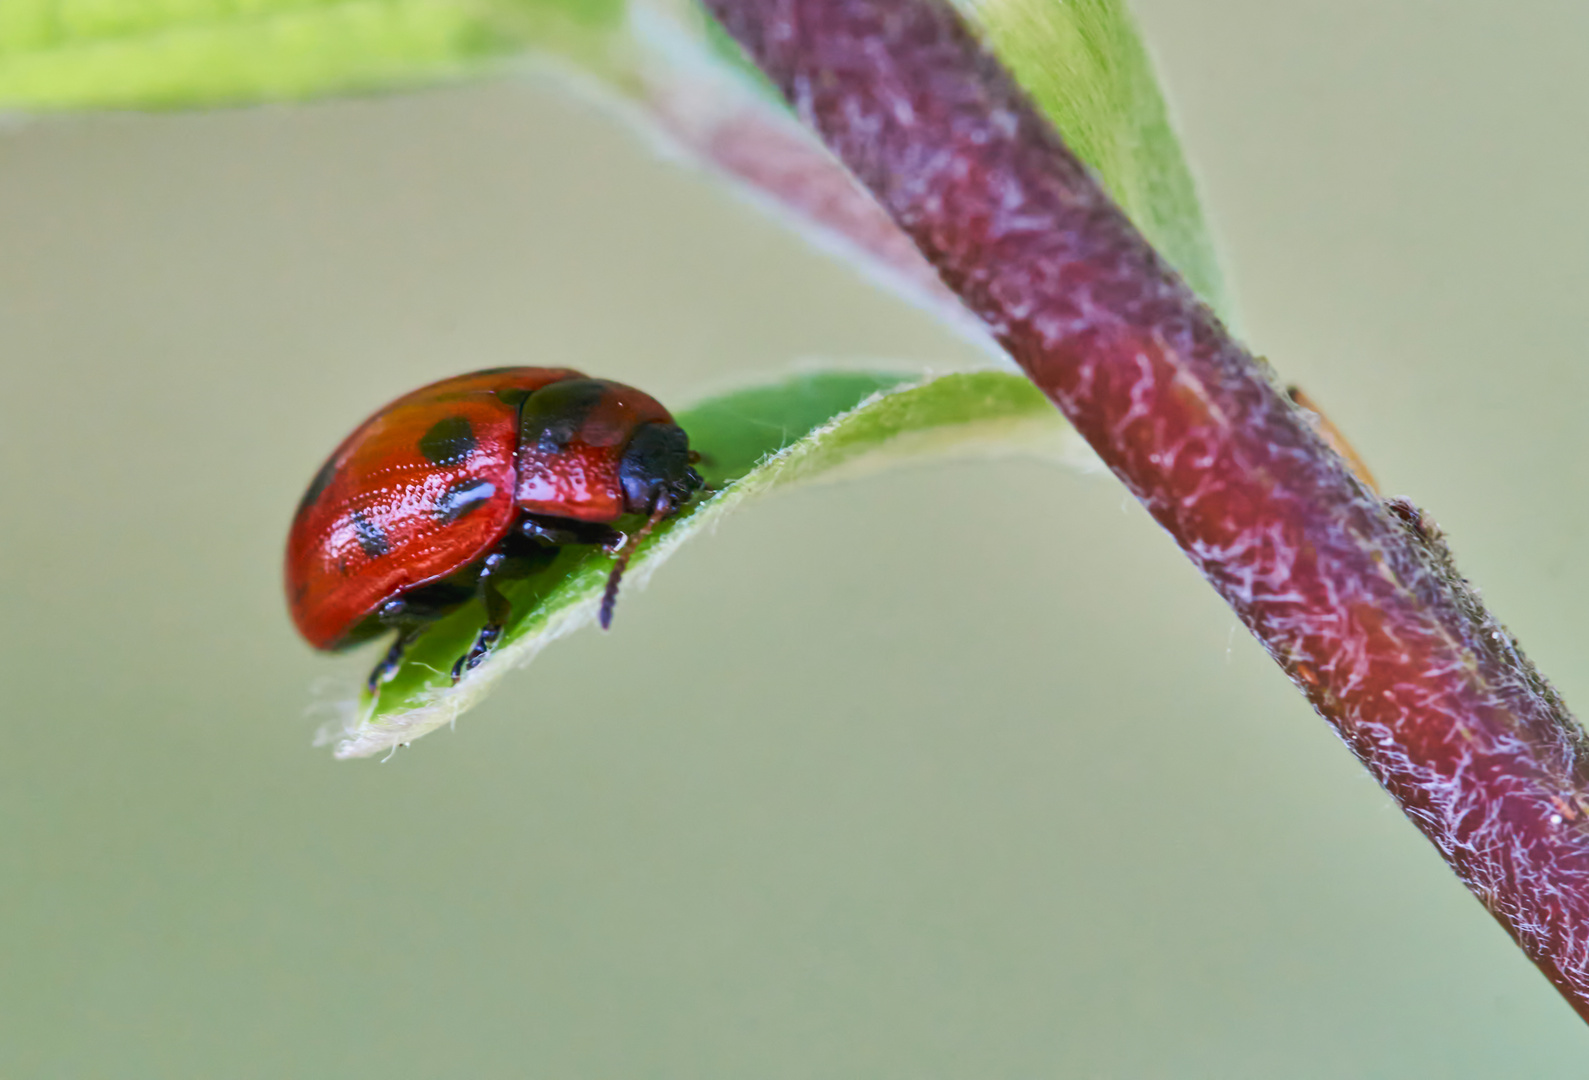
513, 396
449, 441
370, 536
462, 497
554, 414
317, 486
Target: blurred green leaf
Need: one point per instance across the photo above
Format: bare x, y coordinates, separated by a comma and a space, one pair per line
752, 441
60, 54
1086, 67
1081, 60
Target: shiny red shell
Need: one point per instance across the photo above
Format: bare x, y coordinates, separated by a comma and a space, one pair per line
579, 479
430, 483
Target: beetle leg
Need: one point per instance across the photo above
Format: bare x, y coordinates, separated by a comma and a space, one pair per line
497, 611
409, 615
394, 657
515, 557
546, 529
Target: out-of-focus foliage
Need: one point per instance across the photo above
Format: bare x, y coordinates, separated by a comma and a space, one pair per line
62, 54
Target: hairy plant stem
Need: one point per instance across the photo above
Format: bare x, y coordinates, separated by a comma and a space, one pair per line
1354, 597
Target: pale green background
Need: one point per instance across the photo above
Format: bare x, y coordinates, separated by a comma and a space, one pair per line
958, 772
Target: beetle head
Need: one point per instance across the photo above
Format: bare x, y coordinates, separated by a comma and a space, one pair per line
655, 470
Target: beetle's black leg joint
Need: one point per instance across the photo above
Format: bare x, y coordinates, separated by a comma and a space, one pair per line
546, 529
394, 657
484, 643
514, 557
409, 614
497, 611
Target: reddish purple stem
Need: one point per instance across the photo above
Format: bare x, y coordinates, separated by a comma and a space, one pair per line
1353, 596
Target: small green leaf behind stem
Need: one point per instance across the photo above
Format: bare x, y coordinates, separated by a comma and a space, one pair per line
1082, 61
818, 425
1087, 70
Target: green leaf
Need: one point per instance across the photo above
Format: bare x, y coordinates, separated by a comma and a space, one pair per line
58, 54
1085, 66
812, 426
1080, 59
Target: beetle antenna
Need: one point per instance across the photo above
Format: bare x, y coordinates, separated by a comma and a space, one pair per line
610, 596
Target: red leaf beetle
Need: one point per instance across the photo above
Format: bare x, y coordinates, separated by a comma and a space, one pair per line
465, 483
